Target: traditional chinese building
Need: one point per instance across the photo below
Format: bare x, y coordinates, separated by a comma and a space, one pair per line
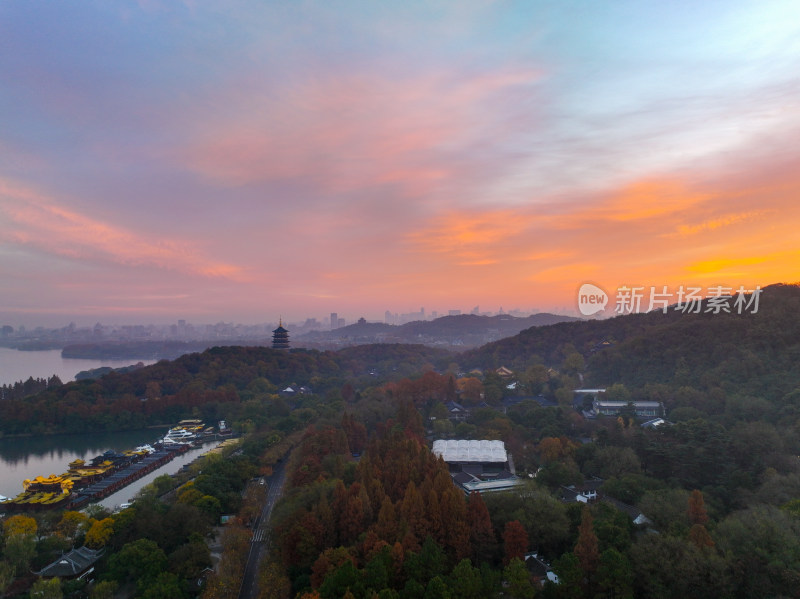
280, 337
75, 564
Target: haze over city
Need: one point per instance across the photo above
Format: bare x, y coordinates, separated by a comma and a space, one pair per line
217, 162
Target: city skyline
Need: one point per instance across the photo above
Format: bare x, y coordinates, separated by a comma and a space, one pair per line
165, 161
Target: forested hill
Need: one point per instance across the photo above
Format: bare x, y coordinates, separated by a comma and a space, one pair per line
747, 354
216, 383
464, 330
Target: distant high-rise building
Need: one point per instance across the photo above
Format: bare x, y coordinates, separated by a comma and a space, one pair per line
334, 320
454, 312
280, 337
340, 323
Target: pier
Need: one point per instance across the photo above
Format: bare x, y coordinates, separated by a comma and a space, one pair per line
122, 478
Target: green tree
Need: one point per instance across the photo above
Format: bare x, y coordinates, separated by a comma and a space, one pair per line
166, 584
19, 551
338, 582
141, 560
104, 589
617, 392
666, 509
46, 589
436, 589
6, 575
570, 576
465, 581
615, 575
519, 580
668, 567
611, 461
427, 564
765, 542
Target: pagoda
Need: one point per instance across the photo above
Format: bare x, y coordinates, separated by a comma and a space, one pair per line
280, 337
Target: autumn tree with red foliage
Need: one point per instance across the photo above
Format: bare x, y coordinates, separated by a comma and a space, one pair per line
482, 534
586, 548
515, 541
698, 517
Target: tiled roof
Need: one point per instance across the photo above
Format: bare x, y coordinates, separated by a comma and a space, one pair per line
72, 564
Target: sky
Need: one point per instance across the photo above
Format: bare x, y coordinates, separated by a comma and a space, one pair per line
241, 161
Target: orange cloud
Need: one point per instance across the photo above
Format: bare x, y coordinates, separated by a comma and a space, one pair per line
657, 231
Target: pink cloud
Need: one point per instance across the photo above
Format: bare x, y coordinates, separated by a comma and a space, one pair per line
349, 132
38, 221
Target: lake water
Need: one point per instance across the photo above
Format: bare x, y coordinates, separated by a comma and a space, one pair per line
16, 365
27, 457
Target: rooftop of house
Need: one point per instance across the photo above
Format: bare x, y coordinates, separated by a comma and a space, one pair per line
72, 564
464, 450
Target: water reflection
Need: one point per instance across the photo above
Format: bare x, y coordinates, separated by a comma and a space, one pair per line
27, 457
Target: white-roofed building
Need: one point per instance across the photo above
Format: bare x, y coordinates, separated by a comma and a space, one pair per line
477, 465
459, 451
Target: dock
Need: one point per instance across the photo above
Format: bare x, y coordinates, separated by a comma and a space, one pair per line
125, 476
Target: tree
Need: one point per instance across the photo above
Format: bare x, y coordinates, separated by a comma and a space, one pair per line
665, 566
20, 525
465, 581
765, 542
515, 540
104, 589
46, 589
436, 589
586, 548
19, 551
615, 575
70, 523
338, 582
666, 509
519, 580
141, 560
273, 583
166, 584
697, 508
99, 533
6, 575
611, 461
386, 527
570, 577
482, 535
698, 535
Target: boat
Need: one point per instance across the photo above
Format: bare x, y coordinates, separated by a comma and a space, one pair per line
84, 482
176, 434
193, 426
223, 428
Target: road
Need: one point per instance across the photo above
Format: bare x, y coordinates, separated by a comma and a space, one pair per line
259, 545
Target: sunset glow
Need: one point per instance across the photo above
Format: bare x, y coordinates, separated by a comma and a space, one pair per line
162, 161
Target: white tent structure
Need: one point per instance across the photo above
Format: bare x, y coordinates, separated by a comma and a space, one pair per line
455, 451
